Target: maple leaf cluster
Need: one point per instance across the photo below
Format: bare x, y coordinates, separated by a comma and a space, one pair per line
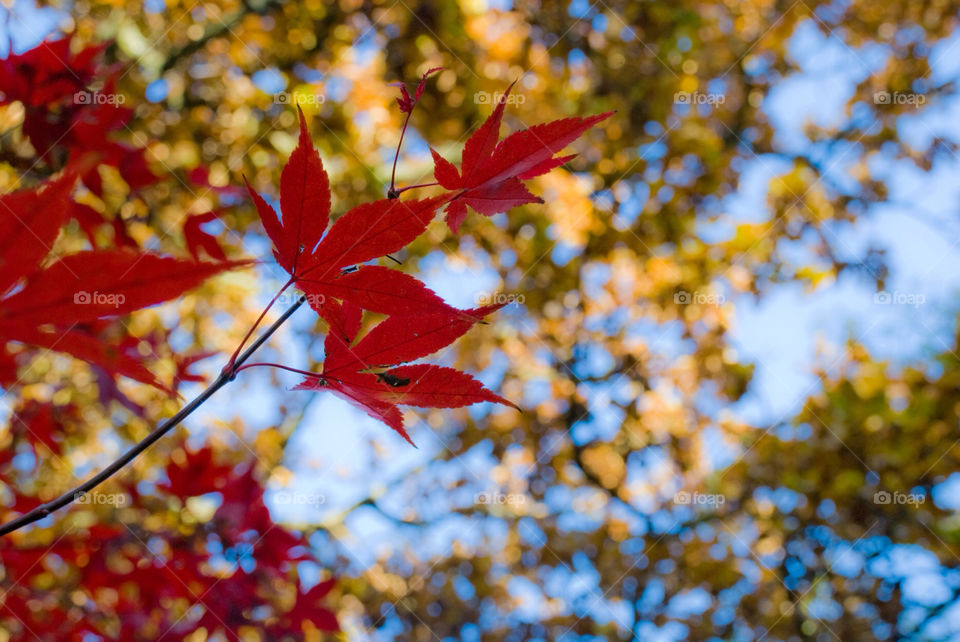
64, 119
71, 303
75, 304
65, 305
218, 576
332, 265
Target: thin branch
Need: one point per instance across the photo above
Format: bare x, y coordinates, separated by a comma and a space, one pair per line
223, 379
233, 357
400, 190
392, 192
306, 373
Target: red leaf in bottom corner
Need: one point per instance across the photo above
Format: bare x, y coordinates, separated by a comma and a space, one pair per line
308, 607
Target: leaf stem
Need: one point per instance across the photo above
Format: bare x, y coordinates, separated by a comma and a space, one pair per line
226, 376
307, 373
392, 192
400, 191
233, 357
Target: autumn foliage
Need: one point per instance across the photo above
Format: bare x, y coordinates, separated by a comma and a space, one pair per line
380, 321
332, 268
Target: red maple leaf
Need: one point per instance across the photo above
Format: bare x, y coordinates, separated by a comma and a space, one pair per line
45, 79
196, 473
56, 307
103, 283
30, 221
308, 608
197, 239
406, 102
90, 221
367, 374
318, 263
88, 139
38, 423
491, 175
60, 111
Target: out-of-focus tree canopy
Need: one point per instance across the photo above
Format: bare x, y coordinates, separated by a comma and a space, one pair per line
639, 494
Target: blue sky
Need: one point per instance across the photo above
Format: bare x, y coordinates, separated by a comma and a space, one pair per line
785, 327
